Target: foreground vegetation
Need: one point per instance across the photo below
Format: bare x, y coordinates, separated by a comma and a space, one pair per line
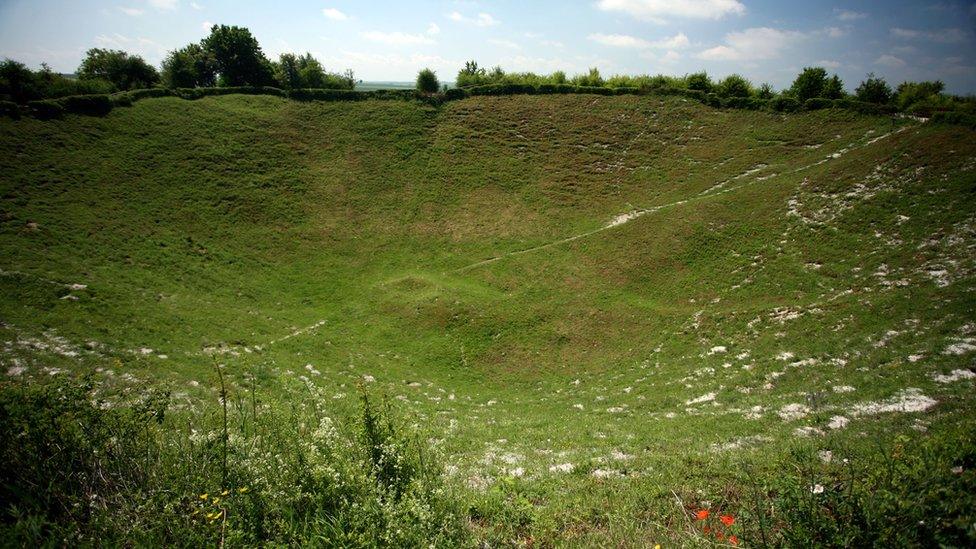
577, 319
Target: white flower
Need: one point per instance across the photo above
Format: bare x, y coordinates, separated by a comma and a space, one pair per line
817, 489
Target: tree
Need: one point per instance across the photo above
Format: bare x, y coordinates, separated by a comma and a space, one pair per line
699, 81
809, 83
765, 91
591, 78
471, 75
873, 90
427, 81
910, 93
734, 86
17, 81
238, 57
190, 67
834, 88
124, 71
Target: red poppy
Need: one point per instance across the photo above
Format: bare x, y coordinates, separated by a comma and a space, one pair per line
733, 540
719, 536
702, 515
727, 520
706, 529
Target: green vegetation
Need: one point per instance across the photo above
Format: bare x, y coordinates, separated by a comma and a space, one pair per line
427, 82
562, 319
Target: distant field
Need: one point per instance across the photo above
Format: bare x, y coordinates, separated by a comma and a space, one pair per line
603, 314
369, 86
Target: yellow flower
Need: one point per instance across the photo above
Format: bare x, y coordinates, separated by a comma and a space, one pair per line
204, 496
225, 493
216, 501
242, 490
657, 546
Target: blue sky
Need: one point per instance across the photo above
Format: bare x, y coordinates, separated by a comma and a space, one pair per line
765, 40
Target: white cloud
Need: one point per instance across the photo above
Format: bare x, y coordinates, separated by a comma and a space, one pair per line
658, 10
619, 40
481, 20
828, 64
164, 4
505, 44
835, 32
206, 26
942, 36
752, 44
132, 12
848, 15
889, 61
334, 14
144, 47
397, 38
433, 29
626, 41
671, 57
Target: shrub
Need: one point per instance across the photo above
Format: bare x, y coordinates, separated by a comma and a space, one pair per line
955, 118
833, 88
92, 105
326, 95
864, 107
765, 91
455, 93
809, 83
733, 86
9, 108
45, 109
873, 90
427, 81
817, 103
136, 95
785, 104
626, 90
699, 81
124, 71
591, 79
912, 93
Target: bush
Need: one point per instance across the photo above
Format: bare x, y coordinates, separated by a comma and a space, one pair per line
910, 94
136, 95
326, 95
955, 118
817, 103
124, 71
45, 109
699, 81
626, 90
734, 86
121, 100
427, 82
785, 104
92, 105
873, 90
864, 107
129, 475
9, 108
810, 83
596, 90
455, 94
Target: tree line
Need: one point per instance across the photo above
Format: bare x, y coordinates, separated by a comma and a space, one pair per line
229, 56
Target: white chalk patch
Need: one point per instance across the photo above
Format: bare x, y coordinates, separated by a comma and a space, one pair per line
843, 389
908, 401
792, 412
700, 400
562, 468
955, 375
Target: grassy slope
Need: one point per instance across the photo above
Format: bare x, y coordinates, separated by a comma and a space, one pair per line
234, 221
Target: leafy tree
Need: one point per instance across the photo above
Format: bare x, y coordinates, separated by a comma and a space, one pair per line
238, 57
17, 81
124, 71
427, 81
734, 86
558, 77
592, 78
471, 75
910, 93
765, 91
809, 83
699, 81
873, 90
834, 88
190, 67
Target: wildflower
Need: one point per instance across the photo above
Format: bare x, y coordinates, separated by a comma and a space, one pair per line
225, 493
657, 546
817, 489
242, 490
216, 501
719, 536
733, 540
204, 496
702, 515
727, 520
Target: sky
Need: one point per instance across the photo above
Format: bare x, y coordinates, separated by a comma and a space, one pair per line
764, 40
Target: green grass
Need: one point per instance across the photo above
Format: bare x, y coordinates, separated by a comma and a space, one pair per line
230, 222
